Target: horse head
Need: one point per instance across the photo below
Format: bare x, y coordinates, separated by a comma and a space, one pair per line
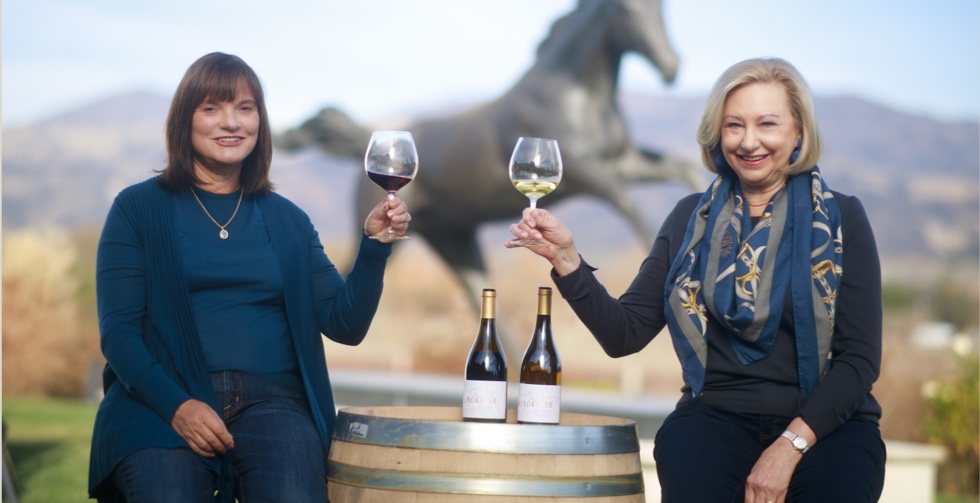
638, 26
608, 29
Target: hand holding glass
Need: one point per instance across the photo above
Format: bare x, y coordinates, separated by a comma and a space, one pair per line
391, 161
535, 171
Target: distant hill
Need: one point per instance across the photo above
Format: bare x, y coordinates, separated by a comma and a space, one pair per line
918, 178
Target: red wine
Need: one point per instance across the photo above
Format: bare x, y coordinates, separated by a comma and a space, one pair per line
485, 387
388, 182
539, 395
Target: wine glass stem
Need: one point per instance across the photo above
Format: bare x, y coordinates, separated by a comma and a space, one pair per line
534, 203
391, 195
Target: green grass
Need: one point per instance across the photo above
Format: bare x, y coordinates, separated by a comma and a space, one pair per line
954, 499
49, 441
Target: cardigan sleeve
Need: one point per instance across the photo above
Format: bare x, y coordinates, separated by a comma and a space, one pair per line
121, 292
856, 348
346, 307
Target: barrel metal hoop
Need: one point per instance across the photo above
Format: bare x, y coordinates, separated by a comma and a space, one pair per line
486, 437
475, 483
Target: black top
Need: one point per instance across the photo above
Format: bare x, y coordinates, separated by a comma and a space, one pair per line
769, 386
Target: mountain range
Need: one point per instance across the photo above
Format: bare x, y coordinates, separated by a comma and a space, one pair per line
919, 178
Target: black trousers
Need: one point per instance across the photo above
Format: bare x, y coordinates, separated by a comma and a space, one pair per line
704, 454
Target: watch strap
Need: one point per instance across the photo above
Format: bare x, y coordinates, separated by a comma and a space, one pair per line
799, 443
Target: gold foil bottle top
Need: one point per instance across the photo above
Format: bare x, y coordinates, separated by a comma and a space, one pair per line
489, 303
544, 301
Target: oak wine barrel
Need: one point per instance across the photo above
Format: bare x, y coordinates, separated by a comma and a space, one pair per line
429, 454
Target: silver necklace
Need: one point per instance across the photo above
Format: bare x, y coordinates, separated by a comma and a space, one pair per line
223, 234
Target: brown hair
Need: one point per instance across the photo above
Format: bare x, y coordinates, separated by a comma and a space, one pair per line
216, 76
762, 71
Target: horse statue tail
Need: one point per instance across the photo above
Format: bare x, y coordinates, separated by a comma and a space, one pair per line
331, 130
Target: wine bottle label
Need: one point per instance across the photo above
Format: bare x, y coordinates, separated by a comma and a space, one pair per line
538, 403
485, 399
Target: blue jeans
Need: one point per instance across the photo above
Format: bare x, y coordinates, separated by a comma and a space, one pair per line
706, 454
278, 455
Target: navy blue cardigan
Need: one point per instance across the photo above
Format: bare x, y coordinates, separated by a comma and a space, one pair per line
155, 361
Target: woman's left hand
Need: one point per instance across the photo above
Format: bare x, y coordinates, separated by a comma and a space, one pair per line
389, 212
769, 480
770, 476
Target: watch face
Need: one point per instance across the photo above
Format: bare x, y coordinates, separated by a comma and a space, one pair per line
799, 443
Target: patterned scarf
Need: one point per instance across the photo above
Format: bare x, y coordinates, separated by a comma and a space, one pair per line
739, 273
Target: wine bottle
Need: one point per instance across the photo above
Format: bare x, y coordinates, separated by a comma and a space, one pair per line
485, 386
539, 395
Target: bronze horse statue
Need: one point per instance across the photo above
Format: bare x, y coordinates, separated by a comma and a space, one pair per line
569, 94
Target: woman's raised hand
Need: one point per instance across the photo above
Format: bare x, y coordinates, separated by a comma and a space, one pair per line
556, 240
389, 212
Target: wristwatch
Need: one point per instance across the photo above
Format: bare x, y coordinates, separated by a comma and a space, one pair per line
799, 443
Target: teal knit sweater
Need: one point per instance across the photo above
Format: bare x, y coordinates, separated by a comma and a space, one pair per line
148, 336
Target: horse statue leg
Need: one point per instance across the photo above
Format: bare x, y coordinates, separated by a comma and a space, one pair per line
632, 167
646, 166
461, 251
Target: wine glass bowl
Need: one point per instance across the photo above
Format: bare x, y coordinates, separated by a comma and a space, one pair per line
391, 162
535, 170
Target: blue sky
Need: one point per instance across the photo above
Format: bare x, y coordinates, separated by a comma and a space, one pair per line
920, 57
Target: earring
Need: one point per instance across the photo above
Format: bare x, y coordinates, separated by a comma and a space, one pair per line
796, 152
721, 162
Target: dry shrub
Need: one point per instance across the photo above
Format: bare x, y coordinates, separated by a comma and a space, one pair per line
905, 371
43, 345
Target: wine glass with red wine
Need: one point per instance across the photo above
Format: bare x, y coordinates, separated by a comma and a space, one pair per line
391, 161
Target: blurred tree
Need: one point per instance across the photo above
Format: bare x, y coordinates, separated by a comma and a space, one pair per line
953, 420
43, 350
953, 302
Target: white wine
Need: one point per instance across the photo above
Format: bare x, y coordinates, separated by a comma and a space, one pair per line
539, 395
485, 387
535, 189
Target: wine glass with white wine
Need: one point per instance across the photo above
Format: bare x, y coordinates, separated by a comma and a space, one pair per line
535, 171
391, 161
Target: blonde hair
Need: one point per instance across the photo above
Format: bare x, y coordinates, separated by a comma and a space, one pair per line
761, 71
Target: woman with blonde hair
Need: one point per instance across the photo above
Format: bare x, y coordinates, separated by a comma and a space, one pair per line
769, 283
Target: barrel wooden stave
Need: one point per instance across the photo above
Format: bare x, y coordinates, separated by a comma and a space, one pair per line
352, 494
359, 471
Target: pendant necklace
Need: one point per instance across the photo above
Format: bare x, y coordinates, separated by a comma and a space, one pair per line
223, 234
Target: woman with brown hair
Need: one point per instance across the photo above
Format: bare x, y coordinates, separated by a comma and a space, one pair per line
213, 292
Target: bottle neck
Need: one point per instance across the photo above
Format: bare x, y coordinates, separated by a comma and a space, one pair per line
488, 327
489, 309
544, 302
542, 327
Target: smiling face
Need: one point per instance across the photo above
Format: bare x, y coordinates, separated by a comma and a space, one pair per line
224, 133
758, 135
